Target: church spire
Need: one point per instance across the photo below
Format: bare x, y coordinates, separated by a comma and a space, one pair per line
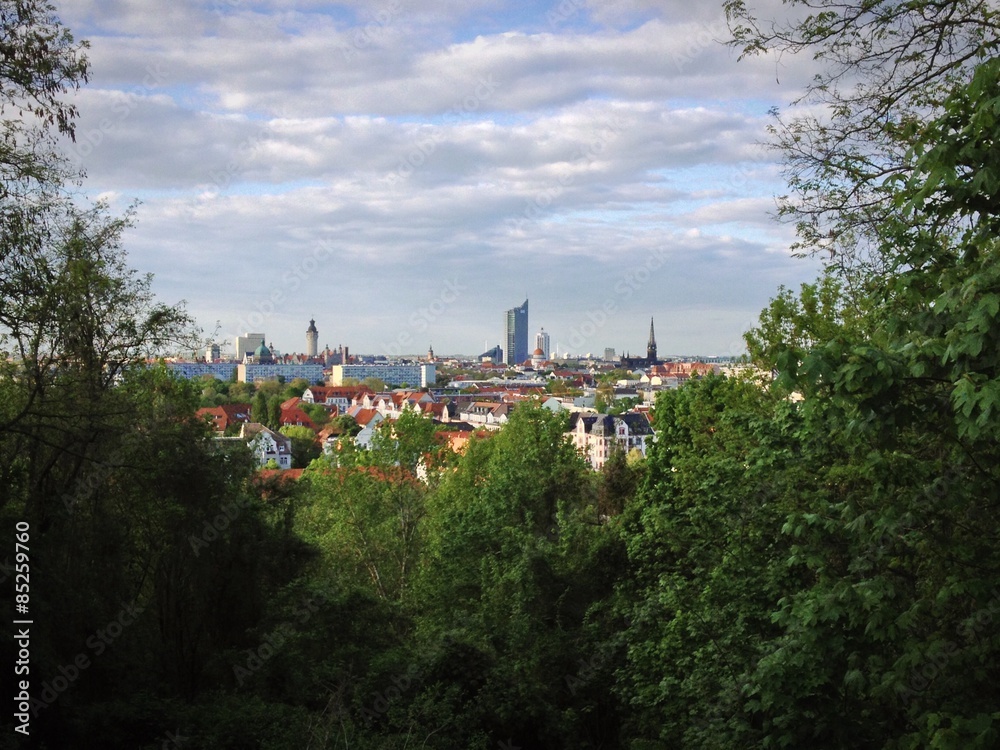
651, 346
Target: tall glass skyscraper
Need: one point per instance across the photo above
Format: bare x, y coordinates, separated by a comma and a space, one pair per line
515, 335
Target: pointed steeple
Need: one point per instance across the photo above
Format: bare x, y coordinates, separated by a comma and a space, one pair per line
651, 346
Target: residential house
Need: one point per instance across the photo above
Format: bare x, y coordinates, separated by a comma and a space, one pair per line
292, 414
226, 415
489, 414
596, 436
337, 398
368, 419
267, 445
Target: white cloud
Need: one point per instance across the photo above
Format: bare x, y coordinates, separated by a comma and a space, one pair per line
349, 159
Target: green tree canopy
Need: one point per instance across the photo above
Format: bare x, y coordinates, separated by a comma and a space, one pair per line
885, 68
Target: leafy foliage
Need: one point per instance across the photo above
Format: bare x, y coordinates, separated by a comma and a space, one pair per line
808, 560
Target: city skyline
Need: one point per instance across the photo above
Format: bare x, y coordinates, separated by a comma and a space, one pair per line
249, 340
407, 168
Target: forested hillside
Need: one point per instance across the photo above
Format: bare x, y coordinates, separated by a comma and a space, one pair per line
809, 560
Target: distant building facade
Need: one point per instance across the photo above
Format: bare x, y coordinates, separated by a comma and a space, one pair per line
421, 375
334, 398
191, 370
635, 363
516, 335
246, 344
596, 436
312, 339
252, 372
493, 355
542, 342
267, 445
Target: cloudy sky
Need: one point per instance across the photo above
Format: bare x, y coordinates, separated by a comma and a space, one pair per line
404, 174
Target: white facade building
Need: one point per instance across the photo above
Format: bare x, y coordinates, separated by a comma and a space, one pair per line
267, 445
597, 435
247, 343
542, 342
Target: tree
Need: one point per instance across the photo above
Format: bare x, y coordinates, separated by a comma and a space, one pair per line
407, 442
367, 523
40, 65
618, 484
605, 397
886, 68
274, 412
376, 384
892, 525
516, 571
317, 413
707, 561
346, 425
240, 392
270, 388
305, 447
85, 321
296, 388
258, 408
136, 514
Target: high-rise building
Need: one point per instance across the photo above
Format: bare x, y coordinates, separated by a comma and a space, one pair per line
542, 342
516, 335
247, 343
312, 339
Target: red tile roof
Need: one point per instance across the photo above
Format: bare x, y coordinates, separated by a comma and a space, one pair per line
295, 416
226, 415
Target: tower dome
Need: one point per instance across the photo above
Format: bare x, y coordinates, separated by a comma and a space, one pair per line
262, 354
312, 339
